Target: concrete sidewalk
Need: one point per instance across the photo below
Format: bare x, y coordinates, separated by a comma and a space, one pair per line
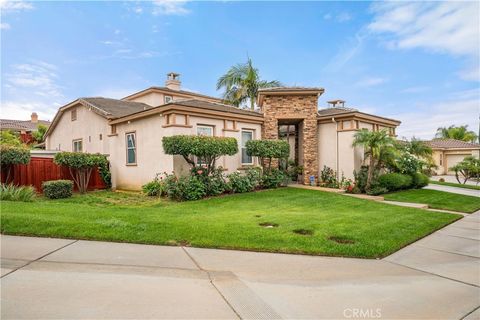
437, 277
463, 191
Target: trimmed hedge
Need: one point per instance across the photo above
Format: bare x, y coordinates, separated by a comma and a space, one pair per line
57, 189
395, 181
419, 180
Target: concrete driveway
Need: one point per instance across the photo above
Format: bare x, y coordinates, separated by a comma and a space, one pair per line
438, 277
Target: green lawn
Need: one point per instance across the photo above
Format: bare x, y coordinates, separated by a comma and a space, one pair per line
437, 199
458, 185
326, 223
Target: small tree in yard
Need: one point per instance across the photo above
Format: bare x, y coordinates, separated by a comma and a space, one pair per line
200, 150
11, 155
267, 150
468, 168
80, 166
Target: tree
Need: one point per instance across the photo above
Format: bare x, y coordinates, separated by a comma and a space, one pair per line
80, 166
241, 83
39, 135
10, 156
267, 150
200, 150
468, 168
9, 138
373, 142
458, 133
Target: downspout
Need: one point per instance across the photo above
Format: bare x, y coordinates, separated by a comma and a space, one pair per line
336, 146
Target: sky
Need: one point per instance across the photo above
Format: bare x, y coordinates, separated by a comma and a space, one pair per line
418, 62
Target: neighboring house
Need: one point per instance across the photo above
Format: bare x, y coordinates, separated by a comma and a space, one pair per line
23, 128
130, 130
448, 152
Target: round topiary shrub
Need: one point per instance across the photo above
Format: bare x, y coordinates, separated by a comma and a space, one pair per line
395, 181
419, 180
57, 189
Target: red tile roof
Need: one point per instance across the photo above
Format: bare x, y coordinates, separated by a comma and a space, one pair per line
451, 144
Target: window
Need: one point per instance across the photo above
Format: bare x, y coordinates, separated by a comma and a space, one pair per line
77, 145
205, 131
168, 99
100, 136
247, 135
73, 114
131, 148
441, 159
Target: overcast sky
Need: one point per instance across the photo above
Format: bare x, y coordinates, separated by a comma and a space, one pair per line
416, 62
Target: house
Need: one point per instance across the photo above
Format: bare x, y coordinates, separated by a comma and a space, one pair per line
130, 130
448, 152
23, 128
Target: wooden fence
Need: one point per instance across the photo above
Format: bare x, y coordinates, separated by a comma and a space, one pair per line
41, 169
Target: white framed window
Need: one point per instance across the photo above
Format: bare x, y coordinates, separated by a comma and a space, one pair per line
247, 135
77, 145
205, 130
131, 148
168, 99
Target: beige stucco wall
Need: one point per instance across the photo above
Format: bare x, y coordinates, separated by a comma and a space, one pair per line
327, 145
88, 127
155, 98
150, 157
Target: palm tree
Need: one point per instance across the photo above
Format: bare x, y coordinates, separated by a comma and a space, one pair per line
458, 133
374, 143
419, 148
242, 82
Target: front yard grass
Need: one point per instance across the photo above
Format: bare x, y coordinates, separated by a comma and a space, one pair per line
457, 185
437, 199
287, 220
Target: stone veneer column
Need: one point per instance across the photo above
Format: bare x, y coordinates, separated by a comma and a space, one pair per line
296, 107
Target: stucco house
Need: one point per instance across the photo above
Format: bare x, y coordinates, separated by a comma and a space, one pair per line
23, 128
448, 152
130, 130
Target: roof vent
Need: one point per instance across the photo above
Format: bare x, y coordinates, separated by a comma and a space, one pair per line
173, 81
336, 103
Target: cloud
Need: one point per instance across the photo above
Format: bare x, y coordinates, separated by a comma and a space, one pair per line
371, 81
340, 17
12, 6
347, 51
31, 87
170, 7
424, 122
442, 27
4, 26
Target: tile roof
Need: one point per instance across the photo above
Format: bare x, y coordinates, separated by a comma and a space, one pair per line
21, 125
452, 143
288, 89
173, 93
113, 108
334, 111
214, 106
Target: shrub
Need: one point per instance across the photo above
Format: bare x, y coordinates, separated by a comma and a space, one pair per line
267, 150
11, 155
361, 178
441, 180
238, 183
272, 179
215, 183
377, 190
57, 189
328, 178
9, 192
395, 181
187, 188
200, 150
419, 180
154, 188
408, 164
80, 166
468, 168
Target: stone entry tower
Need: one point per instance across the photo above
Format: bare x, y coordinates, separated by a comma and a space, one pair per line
294, 106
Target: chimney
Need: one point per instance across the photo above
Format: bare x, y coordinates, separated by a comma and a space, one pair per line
336, 103
34, 117
173, 81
